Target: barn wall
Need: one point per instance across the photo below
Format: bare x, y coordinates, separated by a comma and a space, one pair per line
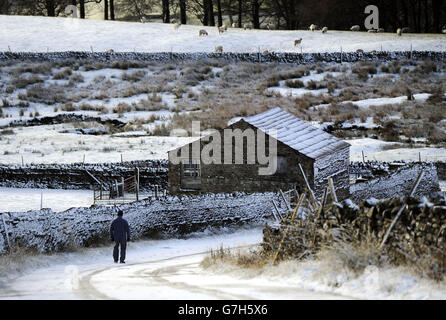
335, 166
218, 178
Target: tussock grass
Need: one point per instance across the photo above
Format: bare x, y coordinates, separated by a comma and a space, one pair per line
252, 258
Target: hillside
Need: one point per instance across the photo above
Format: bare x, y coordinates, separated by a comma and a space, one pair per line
23, 33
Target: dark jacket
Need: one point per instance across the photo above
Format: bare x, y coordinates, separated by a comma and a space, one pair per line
119, 230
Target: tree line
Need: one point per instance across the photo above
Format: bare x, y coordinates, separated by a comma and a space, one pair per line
428, 16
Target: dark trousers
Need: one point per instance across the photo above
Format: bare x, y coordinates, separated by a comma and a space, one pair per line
123, 245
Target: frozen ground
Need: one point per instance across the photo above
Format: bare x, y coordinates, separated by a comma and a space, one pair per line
18, 33
170, 269
24, 199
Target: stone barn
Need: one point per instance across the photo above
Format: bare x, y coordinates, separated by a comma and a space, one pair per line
238, 154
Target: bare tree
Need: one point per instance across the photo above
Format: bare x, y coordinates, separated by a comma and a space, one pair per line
166, 11
183, 11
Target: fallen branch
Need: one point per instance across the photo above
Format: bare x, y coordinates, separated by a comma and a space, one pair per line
411, 193
293, 215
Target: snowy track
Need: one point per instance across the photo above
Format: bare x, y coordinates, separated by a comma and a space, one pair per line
166, 269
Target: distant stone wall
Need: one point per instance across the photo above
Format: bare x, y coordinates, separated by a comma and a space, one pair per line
281, 57
398, 183
48, 231
74, 176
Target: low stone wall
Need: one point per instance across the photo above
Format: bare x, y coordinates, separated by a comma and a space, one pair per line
281, 57
398, 183
74, 176
421, 226
48, 231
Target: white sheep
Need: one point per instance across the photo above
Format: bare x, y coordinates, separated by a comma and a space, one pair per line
225, 27
444, 30
324, 30
247, 26
202, 32
176, 26
313, 27
221, 30
234, 25
355, 28
219, 49
265, 51
110, 51
399, 32
297, 41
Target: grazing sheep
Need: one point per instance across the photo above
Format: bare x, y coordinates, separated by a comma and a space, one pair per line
355, 28
405, 30
360, 51
372, 31
225, 27
399, 32
219, 49
265, 51
247, 26
313, 27
176, 26
324, 30
380, 30
297, 41
234, 25
110, 51
202, 32
444, 30
221, 30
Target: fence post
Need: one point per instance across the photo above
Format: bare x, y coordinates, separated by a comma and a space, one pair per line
137, 183
6, 231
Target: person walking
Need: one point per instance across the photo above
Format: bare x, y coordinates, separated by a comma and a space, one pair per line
120, 234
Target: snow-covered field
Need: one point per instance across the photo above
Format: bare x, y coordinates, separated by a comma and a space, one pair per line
46, 144
170, 269
24, 199
52, 146
25, 34
373, 150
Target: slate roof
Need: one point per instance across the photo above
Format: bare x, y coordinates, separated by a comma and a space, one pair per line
296, 133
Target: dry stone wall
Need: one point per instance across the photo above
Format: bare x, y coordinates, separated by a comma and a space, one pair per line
48, 231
